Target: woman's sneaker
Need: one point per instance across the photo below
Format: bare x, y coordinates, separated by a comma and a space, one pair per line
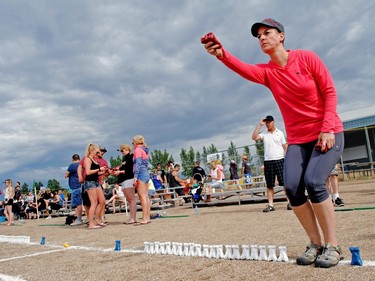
330, 257
310, 255
269, 209
339, 202
77, 222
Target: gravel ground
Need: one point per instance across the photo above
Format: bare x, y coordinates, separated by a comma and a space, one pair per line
91, 254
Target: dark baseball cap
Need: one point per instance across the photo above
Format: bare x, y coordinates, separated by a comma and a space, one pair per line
102, 148
266, 22
268, 118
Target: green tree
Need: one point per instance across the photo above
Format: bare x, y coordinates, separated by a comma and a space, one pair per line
187, 161
25, 188
233, 153
259, 146
246, 151
198, 156
37, 185
53, 185
157, 156
114, 162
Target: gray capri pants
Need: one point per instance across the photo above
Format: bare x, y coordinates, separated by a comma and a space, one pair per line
308, 169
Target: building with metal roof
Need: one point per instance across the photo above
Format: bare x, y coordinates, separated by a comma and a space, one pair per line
359, 125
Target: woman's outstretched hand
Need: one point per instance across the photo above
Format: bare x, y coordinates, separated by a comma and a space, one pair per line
212, 44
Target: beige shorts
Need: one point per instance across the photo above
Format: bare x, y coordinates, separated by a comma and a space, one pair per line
127, 183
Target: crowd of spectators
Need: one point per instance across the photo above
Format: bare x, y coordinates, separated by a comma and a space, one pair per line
26, 205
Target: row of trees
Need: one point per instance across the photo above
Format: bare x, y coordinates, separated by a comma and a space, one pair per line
187, 156
53, 185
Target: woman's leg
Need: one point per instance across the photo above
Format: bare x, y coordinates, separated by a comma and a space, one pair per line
326, 217
318, 170
8, 214
142, 190
99, 214
93, 196
296, 161
305, 215
130, 197
113, 200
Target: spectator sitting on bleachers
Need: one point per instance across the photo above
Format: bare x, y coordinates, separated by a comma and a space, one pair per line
157, 180
177, 184
32, 210
216, 180
56, 203
46, 195
117, 194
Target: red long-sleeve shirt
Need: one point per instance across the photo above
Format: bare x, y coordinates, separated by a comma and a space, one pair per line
303, 89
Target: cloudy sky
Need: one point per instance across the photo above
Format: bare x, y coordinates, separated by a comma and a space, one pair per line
74, 72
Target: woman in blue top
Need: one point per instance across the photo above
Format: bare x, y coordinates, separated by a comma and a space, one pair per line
142, 175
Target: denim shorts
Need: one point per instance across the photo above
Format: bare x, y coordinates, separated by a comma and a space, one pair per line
76, 197
91, 185
145, 177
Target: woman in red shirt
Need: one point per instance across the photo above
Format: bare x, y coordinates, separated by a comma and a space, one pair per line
305, 93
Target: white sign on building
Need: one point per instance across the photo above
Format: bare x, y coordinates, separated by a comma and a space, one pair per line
214, 157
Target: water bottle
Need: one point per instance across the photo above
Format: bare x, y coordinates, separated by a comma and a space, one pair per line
164, 213
196, 210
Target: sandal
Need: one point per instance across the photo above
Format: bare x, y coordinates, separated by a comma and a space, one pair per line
141, 223
94, 227
130, 222
330, 257
310, 255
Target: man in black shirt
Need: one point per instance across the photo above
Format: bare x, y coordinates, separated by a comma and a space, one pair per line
198, 172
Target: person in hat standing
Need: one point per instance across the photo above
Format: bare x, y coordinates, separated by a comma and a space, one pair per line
274, 150
125, 177
246, 170
306, 95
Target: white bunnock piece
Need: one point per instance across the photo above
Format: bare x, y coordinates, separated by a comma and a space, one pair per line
162, 248
245, 252
168, 248
272, 253
228, 252
179, 249
236, 252
262, 253
152, 248
191, 252
186, 249
212, 252
198, 250
219, 251
157, 247
283, 256
174, 248
146, 247
254, 252
206, 251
